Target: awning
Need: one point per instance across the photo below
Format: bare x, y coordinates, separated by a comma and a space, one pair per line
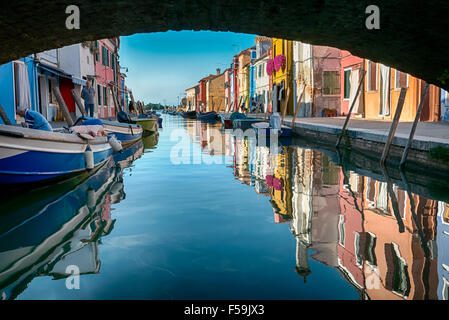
79, 81
53, 70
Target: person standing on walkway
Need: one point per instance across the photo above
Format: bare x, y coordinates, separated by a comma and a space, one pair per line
88, 94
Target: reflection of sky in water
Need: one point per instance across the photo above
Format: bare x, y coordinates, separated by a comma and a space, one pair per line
193, 231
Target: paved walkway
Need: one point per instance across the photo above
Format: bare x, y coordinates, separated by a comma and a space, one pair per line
427, 135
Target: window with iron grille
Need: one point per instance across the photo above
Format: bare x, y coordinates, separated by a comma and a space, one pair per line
331, 82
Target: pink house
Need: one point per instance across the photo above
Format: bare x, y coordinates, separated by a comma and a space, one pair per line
107, 74
350, 73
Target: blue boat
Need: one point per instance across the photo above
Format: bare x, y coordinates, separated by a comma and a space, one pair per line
32, 156
208, 116
126, 133
264, 128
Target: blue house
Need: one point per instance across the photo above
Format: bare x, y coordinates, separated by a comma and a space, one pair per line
252, 79
17, 80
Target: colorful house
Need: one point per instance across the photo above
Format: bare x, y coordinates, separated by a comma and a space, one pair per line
191, 96
107, 75
228, 89
78, 61
261, 80
216, 93
317, 69
202, 93
235, 83
350, 75
243, 74
382, 88
281, 71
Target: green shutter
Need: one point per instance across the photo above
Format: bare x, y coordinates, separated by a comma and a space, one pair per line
347, 84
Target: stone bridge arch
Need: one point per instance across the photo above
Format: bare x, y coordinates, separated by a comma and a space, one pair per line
412, 35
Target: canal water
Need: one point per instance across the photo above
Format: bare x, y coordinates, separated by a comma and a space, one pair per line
198, 213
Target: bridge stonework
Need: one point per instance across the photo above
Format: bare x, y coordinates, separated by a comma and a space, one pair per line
412, 35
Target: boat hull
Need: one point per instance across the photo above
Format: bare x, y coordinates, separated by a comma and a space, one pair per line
125, 132
263, 128
32, 156
147, 124
245, 123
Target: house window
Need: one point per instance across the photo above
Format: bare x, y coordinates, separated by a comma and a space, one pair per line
372, 76
99, 95
331, 83
400, 80
105, 56
347, 84
97, 53
105, 95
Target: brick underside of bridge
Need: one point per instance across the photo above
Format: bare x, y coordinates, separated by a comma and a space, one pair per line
412, 35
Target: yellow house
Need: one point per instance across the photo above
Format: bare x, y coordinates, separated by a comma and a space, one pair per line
382, 88
282, 78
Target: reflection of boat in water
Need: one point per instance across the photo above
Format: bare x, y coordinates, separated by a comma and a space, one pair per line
128, 155
55, 224
150, 140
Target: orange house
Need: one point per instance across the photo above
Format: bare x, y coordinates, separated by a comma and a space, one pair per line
381, 92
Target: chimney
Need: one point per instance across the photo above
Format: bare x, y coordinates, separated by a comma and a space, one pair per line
218, 71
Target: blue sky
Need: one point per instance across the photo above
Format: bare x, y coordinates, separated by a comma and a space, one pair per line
162, 65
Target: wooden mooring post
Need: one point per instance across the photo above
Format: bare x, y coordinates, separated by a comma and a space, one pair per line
4, 116
63, 106
78, 102
415, 124
394, 125
343, 130
284, 110
298, 105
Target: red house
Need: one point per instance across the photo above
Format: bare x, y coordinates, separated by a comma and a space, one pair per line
350, 74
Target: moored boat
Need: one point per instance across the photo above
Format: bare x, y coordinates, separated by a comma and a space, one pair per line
30, 155
190, 115
147, 124
126, 133
207, 116
264, 128
245, 123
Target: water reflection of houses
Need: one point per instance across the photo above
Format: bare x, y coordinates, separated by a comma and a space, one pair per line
315, 219
353, 223
443, 250
61, 229
399, 265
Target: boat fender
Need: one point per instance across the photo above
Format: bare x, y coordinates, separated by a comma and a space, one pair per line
89, 158
115, 144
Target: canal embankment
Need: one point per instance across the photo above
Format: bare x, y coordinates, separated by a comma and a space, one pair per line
429, 150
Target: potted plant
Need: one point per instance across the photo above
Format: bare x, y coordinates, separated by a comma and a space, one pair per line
329, 112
